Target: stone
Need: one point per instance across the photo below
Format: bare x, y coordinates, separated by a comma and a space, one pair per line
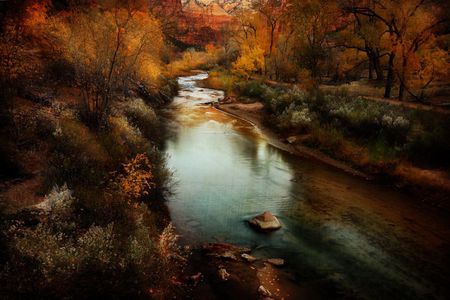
228, 100
223, 274
265, 222
264, 292
292, 139
248, 258
195, 279
278, 262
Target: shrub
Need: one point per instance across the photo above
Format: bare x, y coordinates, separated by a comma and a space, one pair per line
137, 178
58, 202
301, 117
75, 138
193, 59
143, 116
327, 138
167, 244
253, 88
97, 245
127, 136
101, 259
79, 157
221, 80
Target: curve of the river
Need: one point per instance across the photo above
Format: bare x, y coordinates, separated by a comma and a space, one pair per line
364, 239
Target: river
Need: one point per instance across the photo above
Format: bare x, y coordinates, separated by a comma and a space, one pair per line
365, 239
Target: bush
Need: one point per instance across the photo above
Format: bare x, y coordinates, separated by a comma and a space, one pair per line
101, 259
399, 132
144, 117
127, 136
221, 80
136, 180
58, 201
252, 89
193, 59
79, 157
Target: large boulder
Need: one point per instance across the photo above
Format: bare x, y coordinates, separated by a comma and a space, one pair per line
265, 222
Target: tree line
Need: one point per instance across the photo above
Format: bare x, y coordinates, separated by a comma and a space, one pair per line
394, 43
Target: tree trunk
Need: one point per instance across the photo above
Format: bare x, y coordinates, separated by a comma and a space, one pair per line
401, 91
377, 67
390, 76
370, 69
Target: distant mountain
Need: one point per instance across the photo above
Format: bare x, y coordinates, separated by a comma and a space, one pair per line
193, 6
215, 7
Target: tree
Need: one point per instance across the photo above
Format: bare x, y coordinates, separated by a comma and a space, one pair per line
251, 60
313, 21
365, 34
272, 11
409, 26
109, 50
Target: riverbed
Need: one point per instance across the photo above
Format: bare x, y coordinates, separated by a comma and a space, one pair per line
364, 239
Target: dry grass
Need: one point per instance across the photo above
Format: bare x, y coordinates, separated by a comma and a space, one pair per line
420, 177
23, 194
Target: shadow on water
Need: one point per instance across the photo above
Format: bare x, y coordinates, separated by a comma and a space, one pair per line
368, 240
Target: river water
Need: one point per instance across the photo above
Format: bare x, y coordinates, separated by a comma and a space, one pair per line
363, 239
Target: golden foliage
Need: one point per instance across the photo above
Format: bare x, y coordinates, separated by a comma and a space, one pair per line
109, 50
250, 61
137, 178
192, 59
36, 15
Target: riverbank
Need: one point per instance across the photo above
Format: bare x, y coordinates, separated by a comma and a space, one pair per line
427, 184
358, 236
373, 162
224, 271
84, 214
253, 113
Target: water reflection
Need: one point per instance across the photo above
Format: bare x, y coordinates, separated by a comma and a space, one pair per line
361, 236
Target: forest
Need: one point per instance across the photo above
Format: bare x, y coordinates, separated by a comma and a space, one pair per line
211, 149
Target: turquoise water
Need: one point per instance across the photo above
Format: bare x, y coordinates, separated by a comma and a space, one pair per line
362, 239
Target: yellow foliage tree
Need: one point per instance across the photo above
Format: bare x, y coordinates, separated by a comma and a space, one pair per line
109, 50
137, 180
250, 61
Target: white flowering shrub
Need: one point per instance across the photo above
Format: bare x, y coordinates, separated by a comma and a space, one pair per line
367, 118
97, 244
59, 200
48, 254
143, 116
394, 122
137, 109
301, 117
53, 251
60, 255
167, 245
125, 133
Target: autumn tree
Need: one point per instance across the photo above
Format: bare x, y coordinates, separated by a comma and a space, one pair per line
109, 49
409, 26
272, 12
366, 35
18, 21
251, 60
251, 40
313, 22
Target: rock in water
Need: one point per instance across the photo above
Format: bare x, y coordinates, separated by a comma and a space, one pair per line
264, 292
265, 222
223, 274
248, 257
